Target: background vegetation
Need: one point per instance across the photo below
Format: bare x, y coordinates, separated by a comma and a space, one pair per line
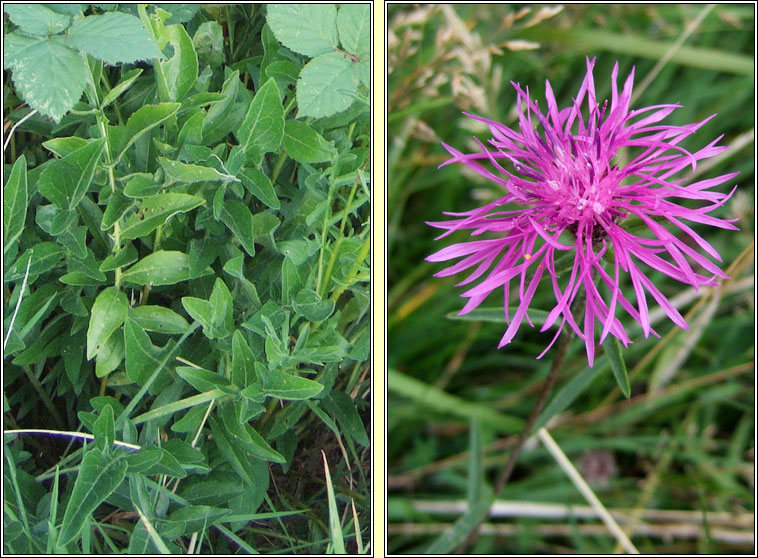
678, 456
186, 268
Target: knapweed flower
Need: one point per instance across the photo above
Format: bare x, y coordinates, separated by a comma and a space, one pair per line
574, 181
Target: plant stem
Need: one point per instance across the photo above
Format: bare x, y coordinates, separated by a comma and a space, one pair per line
564, 339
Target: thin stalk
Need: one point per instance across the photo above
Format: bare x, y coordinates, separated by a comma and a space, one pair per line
564, 339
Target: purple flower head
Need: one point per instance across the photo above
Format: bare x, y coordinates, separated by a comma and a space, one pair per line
571, 194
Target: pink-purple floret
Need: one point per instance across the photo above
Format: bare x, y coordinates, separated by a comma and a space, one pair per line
568, 181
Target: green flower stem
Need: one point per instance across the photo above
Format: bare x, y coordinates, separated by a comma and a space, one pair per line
564, 339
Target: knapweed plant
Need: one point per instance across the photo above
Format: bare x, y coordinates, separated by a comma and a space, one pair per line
186, 270
594, 192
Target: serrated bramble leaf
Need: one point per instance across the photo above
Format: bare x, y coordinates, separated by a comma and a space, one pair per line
164, 267
15, 202
260, 186
109, 311
326, 86
36, 19
99, 475
304, 144
15, 46
49, 76
238, 218
263, 126
114, 37
309, 29
154, 211
354, 29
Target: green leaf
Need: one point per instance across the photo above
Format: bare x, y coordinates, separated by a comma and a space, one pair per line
291, 281
340, 406
309, 29
496, 315
99, 475
335, 527
201, 379
109, 356
569, 393
158, 319
309, 304
49, 76
304, 144
141, 356
118, 204
104, 430
262, 129
65, 181
114, 37
164, 267
144, 119
202, 253
75, 241
220, 119
354, 29
15, 203
64, 146
36, 19
125, 83
44, 257
222, 304
327, 85
243, 362
190, 519
215, 315
248, 438
618, 366
184, 172
154, 211
233, 452
456, 535
281, 385
127, 255
260, 186
179, 73
141, 185
109, 311
238, 218
439, 400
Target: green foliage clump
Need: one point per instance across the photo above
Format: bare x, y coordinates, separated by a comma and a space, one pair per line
186, 269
